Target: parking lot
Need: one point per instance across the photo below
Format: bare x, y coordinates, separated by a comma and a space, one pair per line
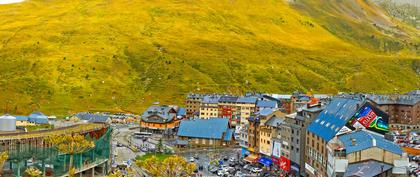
223, 162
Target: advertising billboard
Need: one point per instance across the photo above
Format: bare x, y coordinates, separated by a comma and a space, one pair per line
371, 118
276, 149
285, 164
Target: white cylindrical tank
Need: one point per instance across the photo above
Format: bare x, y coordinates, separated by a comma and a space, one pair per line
7, 123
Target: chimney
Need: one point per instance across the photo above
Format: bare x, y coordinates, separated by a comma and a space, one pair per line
353, 142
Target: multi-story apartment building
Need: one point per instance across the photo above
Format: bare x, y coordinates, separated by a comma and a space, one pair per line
254, 127
268, 131
245, 108
403, 110
227, 108
302, 119
325, 127
193, 103
209, 106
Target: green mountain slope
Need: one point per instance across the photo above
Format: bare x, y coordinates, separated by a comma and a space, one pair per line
67, 56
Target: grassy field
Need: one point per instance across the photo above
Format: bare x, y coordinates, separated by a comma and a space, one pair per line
159, 156
61, 57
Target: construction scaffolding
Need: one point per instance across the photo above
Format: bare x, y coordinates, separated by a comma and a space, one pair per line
37, 153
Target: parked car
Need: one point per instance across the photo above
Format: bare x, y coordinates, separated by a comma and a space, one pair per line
225, 158
256, 170
240, 174
248, 167
213, 169
191, 159
222, 173
232, 159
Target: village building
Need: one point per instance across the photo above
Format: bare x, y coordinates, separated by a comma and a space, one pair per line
38, 118
362, 147
214, 132
403, 110
227, 109
159, 119
254, 128
348, 119
193, 103
23, 121
209, 107
245, 108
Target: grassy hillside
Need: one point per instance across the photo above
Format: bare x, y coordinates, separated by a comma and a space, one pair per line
65, 56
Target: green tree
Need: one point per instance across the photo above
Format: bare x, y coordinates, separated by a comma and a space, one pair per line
159, 147
72, 145
33, 172
171, 166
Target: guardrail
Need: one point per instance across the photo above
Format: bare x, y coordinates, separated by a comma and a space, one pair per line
79, 128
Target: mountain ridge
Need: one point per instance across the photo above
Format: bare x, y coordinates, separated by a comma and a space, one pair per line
123, 55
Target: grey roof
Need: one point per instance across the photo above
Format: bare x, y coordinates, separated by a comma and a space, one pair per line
243, 99
394, 99
211, 99
91, 117
98, 118
414, 92
274, 121
228, 98
195, 95
161, 111
366, 169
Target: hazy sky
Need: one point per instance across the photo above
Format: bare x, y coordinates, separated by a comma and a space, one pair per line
10, 1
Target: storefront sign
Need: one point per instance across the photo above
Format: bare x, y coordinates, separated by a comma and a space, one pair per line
276, 149
285, 163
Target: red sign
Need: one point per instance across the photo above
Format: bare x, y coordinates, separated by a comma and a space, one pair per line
366, 120
275, 160
285, 163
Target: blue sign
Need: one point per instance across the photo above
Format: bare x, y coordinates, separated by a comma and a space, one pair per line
265, 161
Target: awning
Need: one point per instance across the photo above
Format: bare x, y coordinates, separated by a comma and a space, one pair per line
251, 158
265, 161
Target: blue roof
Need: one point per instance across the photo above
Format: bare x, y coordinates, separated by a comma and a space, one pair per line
181, 112
38, 118
366, 140
22, 118
265, 112
228, 135
243, 99
266, 104
334, 117
204, 128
